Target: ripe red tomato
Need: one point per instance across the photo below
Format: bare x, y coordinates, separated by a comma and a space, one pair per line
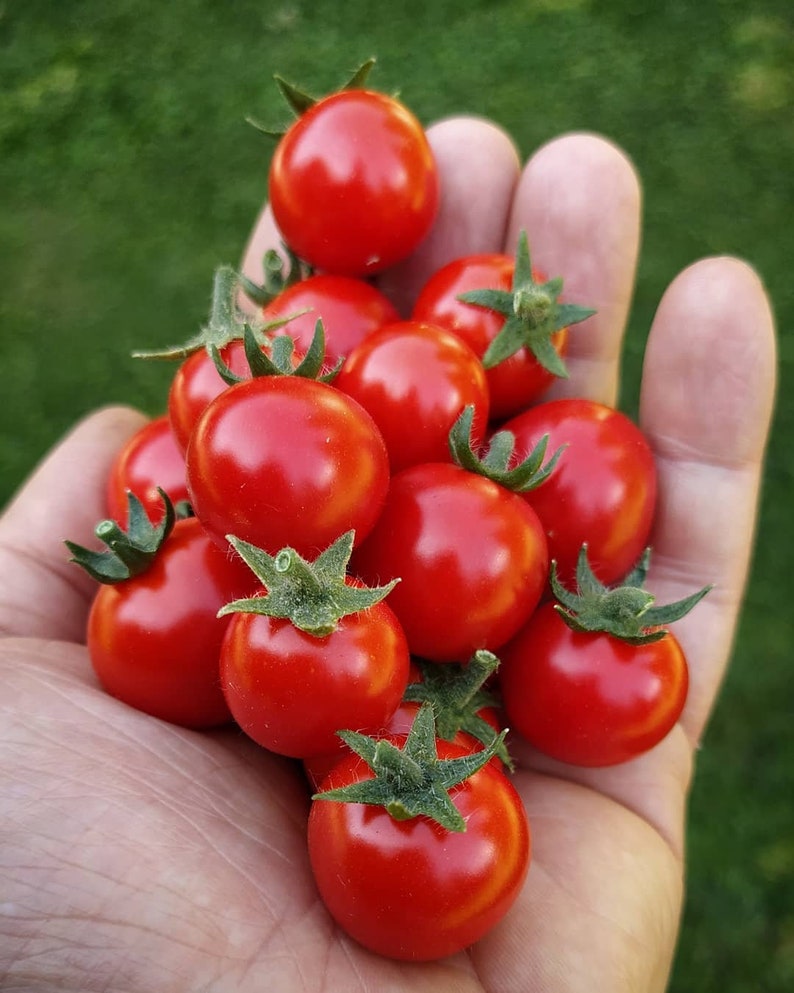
150, 459
196, 382
285, 461
410, 889
291, 691
471, 557
350, 309
353, 183
590, 698
415, 379
602, 491
518, 380
154, 640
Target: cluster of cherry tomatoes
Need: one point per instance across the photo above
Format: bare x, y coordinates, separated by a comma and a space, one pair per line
366, 539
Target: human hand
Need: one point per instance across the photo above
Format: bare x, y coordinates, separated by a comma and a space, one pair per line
140, 856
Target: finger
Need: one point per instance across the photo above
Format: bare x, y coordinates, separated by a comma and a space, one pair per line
579, 201
42, 594
265, 236
706, 404
478, 168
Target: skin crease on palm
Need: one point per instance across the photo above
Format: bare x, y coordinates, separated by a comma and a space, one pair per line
135, 856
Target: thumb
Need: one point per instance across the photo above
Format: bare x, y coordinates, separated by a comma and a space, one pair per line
42, 594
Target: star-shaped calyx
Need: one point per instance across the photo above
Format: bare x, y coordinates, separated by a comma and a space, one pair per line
533, 314
128, 553
411, 781
625, 611
458, 694
226, 322
314, 595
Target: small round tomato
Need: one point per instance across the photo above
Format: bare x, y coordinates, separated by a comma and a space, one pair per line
602, 491
411, 889
471, 557
350, 309
415, 379
196, 382
291, 691
154, 640
519, 379
353, 183
588, 698
283, 461
149, 460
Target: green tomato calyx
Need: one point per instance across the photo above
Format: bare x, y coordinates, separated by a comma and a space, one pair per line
533, 315
299, 101
498, 461
226, 322
625, 611
128, 553
314, 596
457, 693
411, 781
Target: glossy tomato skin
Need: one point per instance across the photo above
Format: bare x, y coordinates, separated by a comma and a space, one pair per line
415, 379
197, 382
149, 459
471, 557
590, 699
602, 491
515, 383
154, 640
350, 309
411, 890
291, 692
353, 184
282, 461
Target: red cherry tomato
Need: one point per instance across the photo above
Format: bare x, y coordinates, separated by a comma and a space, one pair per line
471, 557
154, 640
518, 380
590, 699
291, 691
602, 491
353, 183
284, 461
412, 890
150, 459
350, 309
196, 382
415, 379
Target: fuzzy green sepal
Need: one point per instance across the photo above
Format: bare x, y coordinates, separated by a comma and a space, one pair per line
533, 314
312, 595
411, 781
494, 464
457, 693
625, 611
129, 553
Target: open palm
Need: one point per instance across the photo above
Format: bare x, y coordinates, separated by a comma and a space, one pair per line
136, 856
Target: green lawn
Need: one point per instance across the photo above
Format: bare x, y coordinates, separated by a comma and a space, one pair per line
127, 174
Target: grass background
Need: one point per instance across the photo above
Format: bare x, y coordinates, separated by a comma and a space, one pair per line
127, 174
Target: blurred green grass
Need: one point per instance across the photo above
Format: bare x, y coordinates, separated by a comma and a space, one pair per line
128, 174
